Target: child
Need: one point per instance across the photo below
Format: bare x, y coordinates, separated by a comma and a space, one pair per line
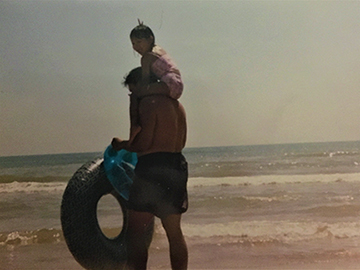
154, 62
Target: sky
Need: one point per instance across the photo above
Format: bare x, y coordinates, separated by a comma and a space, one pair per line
255, 72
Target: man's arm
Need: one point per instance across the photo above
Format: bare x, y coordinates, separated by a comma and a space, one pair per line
143, 140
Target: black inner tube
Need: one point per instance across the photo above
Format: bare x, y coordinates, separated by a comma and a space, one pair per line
82, 233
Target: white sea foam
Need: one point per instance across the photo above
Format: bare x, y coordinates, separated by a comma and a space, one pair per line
272, 179
32, 187
29, 187
284, 231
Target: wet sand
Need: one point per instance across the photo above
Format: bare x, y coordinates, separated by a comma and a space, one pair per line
58, 257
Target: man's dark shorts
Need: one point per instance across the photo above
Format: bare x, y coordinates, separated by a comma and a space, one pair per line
160, 184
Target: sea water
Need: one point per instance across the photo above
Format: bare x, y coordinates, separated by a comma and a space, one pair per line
248, 206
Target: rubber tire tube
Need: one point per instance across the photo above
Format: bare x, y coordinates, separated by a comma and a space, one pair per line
82, 233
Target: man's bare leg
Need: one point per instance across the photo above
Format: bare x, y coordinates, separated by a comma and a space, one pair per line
136, 239
178, 248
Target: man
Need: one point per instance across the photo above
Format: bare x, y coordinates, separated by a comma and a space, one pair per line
161, 173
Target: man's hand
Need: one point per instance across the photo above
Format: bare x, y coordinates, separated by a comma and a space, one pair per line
118, 144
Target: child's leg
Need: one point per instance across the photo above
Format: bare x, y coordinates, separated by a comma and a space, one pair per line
159, 88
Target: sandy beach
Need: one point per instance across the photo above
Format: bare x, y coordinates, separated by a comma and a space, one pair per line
57, 257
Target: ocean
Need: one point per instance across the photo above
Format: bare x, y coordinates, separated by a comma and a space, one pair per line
286, 206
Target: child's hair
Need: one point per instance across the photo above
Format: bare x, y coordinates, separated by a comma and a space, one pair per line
142, 31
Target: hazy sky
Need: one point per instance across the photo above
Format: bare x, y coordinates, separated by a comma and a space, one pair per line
255, 72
